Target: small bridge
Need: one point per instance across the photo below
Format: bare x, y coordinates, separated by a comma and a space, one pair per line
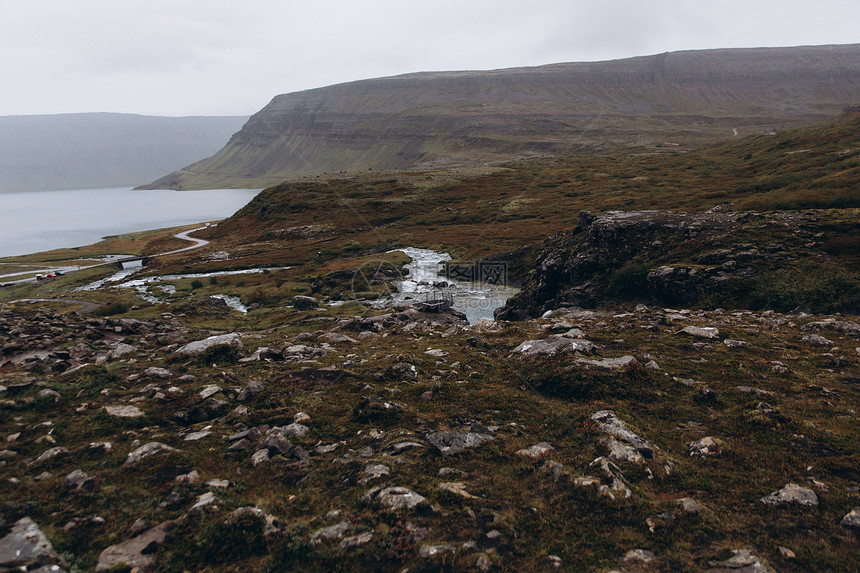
132, 262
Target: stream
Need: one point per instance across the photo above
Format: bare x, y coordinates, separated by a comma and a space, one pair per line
477, 300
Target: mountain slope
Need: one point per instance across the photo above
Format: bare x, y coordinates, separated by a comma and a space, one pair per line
474, 213
455, 117
71, 151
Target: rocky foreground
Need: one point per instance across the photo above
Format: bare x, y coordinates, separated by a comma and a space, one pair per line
641, 439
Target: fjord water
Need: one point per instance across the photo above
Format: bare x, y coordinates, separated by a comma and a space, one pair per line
36, 221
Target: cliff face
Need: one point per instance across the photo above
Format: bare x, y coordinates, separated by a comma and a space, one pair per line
452, 117
713, 259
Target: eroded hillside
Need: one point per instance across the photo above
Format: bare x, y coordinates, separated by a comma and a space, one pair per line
464, 118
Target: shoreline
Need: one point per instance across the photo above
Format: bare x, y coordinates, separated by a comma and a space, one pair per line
38, 221
45, 262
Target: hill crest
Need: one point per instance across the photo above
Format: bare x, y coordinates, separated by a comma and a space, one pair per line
434, 119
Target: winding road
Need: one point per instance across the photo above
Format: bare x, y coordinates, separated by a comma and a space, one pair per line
184, 236
88, 306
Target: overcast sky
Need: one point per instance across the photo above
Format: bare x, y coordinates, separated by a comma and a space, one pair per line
229, 57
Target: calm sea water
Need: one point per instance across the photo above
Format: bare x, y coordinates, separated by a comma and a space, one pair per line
43, 220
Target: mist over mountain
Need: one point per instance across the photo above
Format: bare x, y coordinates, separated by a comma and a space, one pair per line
448, 118
91, 150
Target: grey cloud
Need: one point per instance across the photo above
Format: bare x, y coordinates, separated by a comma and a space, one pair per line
226, 57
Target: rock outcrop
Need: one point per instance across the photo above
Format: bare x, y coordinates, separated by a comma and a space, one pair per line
25, 548
659, 257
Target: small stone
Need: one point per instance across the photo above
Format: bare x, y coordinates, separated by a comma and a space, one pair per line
450, 472
436, 353
99, 448
252, 388
121, 350
536, 451
377, 471
556, 469
706, 332
301, 418
621, 452
205, 502
145, 451
275, 444
338, 337
395, 498
124, 411
326, 448
356, 540
305, 302
689, 505
209, 391
50, 394
295, 430
191, 477
331, 532
553, 346
787, 553
817, 340
51, 454
78, 480
610, 364
239, 445
260, 457
743, 561
852, 518
613, 426
450, 443
194, 436
752, 390
791, 493
139, 526
705, 447
405, 371
458, 488
638, 556
155, 372
427, 551
198, 347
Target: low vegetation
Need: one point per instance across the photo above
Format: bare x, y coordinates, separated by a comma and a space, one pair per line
279, 445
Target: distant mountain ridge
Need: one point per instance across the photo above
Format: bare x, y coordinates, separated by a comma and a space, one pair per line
91, 150
448, 118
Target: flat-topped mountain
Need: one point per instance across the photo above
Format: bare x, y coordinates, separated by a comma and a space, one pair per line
447, 118
90, 150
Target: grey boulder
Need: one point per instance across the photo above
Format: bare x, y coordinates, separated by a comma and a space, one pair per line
26, 548
791, 493
200, 346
